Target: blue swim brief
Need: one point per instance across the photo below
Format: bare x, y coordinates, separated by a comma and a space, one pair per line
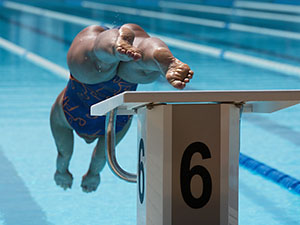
78, 98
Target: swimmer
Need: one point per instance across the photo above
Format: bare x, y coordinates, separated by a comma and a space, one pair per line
105, 62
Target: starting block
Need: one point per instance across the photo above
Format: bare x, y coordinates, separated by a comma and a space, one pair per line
188, 150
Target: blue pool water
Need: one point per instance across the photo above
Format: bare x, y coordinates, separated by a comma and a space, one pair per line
28, 194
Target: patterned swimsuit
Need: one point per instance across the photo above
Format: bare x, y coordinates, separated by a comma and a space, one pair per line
79, 97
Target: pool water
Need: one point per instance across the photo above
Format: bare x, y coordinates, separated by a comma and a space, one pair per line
28, 194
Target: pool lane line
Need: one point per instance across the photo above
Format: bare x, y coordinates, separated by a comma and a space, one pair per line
210, 40
270, 173
51, 14
271, 65
268, 6
154, 14
263, 63
243, 47
271, 126
264, 31
275, 175
36, 30
229, 11
192, 20
283, 68
159, 15
34, 58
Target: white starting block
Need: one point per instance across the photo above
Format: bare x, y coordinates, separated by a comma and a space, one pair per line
188, 151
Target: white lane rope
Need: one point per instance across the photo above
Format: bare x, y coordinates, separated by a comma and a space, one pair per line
268, 6
34, 58
230, 11
192, 20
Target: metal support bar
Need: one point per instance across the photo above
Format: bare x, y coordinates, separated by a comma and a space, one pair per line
110, 146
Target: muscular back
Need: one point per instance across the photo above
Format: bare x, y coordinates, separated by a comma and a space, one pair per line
81, 59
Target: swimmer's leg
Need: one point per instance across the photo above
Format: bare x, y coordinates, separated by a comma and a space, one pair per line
124, 45
115, 45
64, 140
91, 180
176, 72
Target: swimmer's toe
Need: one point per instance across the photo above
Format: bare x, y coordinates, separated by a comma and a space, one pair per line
126, 51
179, 74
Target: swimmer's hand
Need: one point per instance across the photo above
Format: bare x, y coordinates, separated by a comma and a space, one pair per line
90, 182
63, 180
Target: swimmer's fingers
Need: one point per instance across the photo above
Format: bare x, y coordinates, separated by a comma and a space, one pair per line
88, 188
90, 182
64, 180
65, 186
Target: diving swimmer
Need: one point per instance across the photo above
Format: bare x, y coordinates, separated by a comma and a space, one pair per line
105, 62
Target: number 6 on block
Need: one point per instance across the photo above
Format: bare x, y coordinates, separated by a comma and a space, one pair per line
186, 175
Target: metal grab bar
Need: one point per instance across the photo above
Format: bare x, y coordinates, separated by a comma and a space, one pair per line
110, 147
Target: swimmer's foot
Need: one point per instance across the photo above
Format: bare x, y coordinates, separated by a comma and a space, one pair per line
124, 48
176, 72
63, 180
90, 182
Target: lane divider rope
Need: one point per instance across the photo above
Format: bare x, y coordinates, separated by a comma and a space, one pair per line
34, 58
270, 173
